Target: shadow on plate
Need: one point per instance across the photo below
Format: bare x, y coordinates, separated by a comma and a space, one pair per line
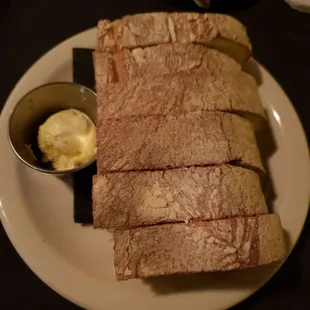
287, 240
248, 278
252, 68
287, 280
218, 6
230, 6
184, 5
267, 146
67, 179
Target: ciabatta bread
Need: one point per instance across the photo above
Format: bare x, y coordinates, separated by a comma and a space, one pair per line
161, 59
194, 139
174, 78
218, 245
131, 199
218, 31
208, 87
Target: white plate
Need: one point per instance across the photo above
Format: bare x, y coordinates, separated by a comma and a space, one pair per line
77, 262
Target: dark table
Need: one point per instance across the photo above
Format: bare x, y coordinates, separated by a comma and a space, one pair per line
281, 40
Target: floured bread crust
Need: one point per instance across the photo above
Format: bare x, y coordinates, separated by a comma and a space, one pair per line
218, 245
193, 139
218, 31
131, 199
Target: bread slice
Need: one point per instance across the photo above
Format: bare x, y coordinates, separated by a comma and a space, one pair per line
131, 199
219, 245
161, 59
200, 89
218, 31
194, 139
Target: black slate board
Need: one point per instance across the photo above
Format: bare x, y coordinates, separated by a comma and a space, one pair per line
83, 73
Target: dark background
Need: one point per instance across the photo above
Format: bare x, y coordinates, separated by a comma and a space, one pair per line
281, 41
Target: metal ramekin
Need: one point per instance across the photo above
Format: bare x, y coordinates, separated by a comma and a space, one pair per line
35, 107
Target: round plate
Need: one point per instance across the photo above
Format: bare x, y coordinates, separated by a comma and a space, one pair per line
77, 262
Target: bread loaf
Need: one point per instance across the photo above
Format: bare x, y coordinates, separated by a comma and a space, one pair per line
177, 157
218, 245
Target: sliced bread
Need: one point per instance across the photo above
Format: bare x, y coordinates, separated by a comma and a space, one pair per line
193, 139
159, 60
131, 199
218, 245
180, 93
218, 31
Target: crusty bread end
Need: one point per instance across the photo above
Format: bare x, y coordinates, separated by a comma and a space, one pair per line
218, 31
218, 245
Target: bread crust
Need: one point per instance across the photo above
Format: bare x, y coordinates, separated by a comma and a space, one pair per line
132, 199
160, 60
218, 245
174, 79
193, 139
177, 157
218, 31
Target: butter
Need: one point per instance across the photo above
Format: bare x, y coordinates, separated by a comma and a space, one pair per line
67, 139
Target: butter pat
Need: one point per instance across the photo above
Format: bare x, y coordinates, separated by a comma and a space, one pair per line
67, 139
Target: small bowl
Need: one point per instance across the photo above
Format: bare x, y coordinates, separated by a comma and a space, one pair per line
32, 111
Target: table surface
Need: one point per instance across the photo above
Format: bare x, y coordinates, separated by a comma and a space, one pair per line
281, 41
